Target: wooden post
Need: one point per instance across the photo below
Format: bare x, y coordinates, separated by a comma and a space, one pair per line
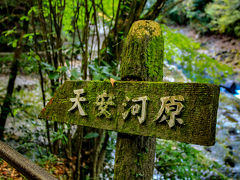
184, 112
142, 60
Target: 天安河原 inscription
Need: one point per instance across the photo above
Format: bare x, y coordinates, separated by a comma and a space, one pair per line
77, 101
103, 101
172, 106
135, 109
150, 110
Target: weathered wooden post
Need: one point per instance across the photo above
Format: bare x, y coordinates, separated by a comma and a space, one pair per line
183, 112
142, 60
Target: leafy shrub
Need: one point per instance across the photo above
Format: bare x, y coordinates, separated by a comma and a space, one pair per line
191, 12
225, 16
103, 71
181, 161
208, 15
178, 13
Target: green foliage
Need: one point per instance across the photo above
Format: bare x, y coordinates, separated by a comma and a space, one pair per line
103, 71
183, 52
177, 13
54, 74
221, 16
25, 132
110, 7
47, 157
27, 65
91, 135
9, 32
181, 161
4, 62
198, 18
106, 8
190, 12
8, 37
59, 135
225, 16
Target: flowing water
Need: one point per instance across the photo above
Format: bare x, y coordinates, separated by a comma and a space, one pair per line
226, 151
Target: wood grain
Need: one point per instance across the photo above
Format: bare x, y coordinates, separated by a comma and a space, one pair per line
199, 113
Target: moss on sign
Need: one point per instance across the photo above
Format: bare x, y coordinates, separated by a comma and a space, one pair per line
198, 115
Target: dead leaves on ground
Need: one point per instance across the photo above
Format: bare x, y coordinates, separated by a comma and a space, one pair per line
8, 172
58, 169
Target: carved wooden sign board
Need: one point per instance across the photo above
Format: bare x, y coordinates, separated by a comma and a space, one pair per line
183, 112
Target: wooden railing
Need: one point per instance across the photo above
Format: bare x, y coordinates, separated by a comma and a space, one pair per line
22, 164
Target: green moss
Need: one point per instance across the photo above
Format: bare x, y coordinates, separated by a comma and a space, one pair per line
143, 28
154, 61
142, 56
199, 98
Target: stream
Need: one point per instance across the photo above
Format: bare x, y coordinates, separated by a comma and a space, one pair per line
226, 151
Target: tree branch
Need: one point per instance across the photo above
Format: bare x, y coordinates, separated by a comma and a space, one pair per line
172, 5
154, 11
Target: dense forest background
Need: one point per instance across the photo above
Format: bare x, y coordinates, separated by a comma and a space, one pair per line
46, 42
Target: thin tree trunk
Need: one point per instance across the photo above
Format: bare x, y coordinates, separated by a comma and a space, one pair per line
79, 151
97, 149
6, 107
102, 154
44, 104
85, 41
96, 28
41, 79
84, 71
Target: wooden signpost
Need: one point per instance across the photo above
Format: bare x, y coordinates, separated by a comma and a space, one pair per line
183, 112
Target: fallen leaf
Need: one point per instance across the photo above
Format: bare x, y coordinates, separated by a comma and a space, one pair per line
112, 81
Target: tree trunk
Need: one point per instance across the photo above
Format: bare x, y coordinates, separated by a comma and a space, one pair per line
5, 108
128, 12
142, 59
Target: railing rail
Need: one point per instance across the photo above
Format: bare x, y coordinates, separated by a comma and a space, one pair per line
22, 164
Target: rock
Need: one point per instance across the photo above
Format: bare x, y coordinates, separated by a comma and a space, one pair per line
230, 86
229, 161
208, 149
232, 131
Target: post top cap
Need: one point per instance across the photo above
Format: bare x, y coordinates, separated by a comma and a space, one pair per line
145, 27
